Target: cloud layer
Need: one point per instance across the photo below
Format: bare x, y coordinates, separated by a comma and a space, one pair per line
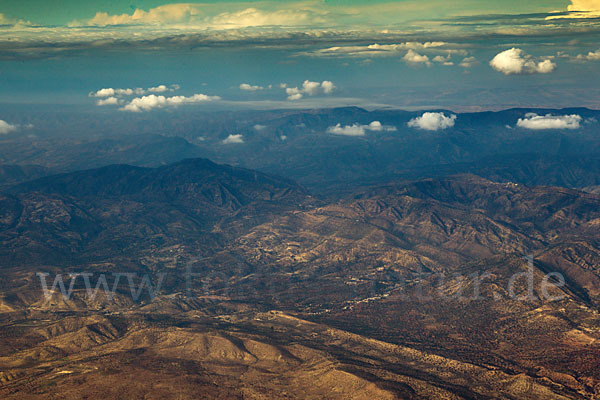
548, 121
379, 50
431, 121
515, 62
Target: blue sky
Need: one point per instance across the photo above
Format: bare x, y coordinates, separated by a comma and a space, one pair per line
461, 55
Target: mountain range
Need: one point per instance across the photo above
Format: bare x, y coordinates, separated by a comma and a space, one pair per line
401, 289
300, 145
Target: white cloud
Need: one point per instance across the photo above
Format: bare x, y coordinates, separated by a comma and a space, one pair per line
233, 139
111, 92
293, 93
469, 62
250, 88
145, 103
347, 130
128, 92
5, 127
358, 129
109, 101
376, 126
431, 121
548, 121
591, 56
149, 102
163, 88
515, 61
309, 88
412, 57
106, 92
444, 60
328, 87
259, 127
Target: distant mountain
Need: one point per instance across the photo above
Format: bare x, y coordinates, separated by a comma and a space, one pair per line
198, 180
13, 174
297, 144
65, 154
489, 144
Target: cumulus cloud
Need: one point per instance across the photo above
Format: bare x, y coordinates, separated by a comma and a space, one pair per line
293, 93
109, 101
233, 139
347, 130
376, 126
548, 121
469, 62
309, 88
5, 127
163, 88
259, 127
250, 88
412, 57
328, 87
106, 92
515, 61
112, 92
358, 129
432, 121
591, 56
147, 103
444, 60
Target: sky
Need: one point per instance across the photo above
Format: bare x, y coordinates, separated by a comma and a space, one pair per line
150, 54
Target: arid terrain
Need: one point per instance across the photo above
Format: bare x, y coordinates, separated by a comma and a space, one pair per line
260, 290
